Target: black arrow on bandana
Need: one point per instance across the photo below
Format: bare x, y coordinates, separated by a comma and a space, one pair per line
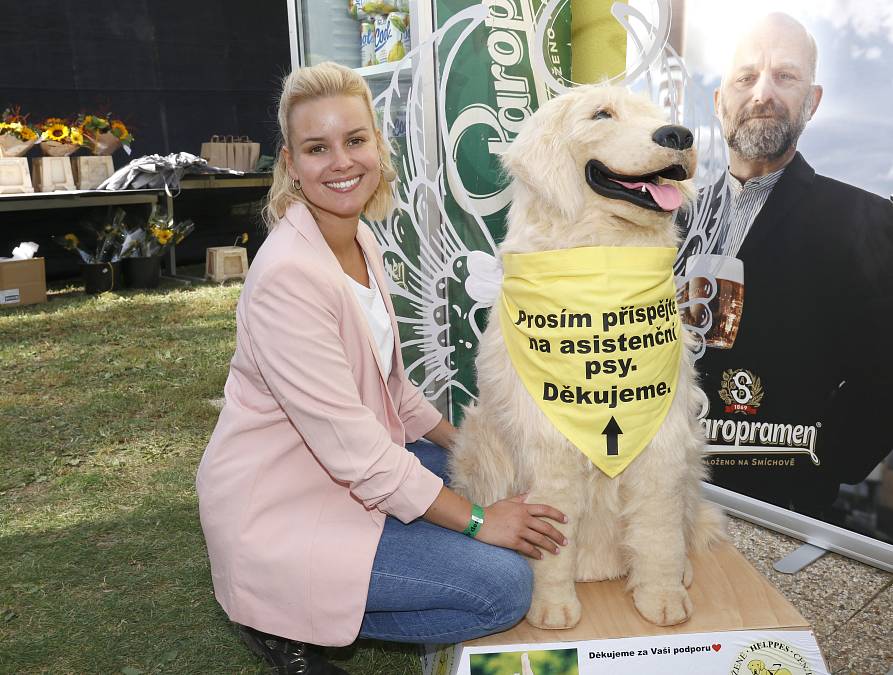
611, 431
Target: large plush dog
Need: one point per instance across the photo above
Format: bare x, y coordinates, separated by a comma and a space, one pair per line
597, 167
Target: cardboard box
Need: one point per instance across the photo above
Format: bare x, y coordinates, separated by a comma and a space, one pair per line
22, 282
739, 620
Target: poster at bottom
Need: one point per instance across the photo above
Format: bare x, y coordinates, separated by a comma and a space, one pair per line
779, 652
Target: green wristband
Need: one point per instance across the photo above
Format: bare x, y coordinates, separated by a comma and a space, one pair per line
475, 522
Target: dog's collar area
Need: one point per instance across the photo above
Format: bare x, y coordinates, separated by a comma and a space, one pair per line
651, 195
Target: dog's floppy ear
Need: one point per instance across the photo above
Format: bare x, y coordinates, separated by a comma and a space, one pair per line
540, 158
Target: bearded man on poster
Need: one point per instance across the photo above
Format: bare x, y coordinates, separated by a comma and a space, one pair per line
813, 353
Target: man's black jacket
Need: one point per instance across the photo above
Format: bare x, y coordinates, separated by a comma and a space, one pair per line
817, 330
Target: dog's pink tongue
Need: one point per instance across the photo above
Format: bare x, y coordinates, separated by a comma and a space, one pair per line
667, 197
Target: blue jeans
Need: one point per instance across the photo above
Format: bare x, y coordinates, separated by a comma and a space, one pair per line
430, 584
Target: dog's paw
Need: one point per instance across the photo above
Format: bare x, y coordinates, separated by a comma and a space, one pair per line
549, 614
661, 605
688, 575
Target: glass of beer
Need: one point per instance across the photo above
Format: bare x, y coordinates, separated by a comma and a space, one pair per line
715, 293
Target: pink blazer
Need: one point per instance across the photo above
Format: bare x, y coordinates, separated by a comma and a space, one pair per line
308, 453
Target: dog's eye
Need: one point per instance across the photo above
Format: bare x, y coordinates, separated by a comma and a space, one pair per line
602, 115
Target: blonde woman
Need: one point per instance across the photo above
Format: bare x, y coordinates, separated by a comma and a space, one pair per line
325, 516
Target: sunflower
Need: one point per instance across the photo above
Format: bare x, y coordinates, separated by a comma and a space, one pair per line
162, 236
55, 132
76, 135
120, 130
95, 123
50, 121
18, 130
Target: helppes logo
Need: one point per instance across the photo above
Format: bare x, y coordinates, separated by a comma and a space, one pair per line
741, 391
771, 657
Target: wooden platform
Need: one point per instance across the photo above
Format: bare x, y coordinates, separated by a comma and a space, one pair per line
728, 594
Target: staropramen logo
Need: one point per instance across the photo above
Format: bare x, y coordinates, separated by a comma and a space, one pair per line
514, 95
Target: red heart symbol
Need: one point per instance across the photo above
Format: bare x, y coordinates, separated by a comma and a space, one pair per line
716, 647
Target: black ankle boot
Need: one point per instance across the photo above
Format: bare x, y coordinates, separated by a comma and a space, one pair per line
288, 657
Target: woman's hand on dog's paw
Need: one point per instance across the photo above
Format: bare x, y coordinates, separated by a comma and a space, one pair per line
512, 523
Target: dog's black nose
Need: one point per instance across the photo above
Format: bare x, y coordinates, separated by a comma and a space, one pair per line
673, 136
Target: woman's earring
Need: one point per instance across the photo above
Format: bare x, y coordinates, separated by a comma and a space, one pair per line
296, 184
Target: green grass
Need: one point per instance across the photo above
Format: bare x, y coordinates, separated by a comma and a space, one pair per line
104, 415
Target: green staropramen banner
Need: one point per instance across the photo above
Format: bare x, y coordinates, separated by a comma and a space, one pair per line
449, 111
489, 91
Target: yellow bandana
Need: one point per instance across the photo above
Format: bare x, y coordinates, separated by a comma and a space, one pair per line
594, 335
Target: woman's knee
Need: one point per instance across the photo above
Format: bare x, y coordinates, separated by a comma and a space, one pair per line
512, 589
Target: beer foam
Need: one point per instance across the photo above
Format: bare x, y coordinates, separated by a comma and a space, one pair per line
716, 266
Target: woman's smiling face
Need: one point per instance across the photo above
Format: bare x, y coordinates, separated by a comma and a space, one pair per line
334, 154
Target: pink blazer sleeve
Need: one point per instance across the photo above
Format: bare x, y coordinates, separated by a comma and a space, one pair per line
293, 324
417, 414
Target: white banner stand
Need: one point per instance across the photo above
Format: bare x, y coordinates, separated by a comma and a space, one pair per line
741, 625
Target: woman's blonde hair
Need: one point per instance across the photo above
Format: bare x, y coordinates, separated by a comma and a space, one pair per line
307, 84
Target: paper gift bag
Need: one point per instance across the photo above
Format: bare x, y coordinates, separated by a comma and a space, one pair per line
241, 155
215, 152
247, 153
231, 160
231, 152
254, 155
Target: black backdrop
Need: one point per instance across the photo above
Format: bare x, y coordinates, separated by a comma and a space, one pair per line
174, 72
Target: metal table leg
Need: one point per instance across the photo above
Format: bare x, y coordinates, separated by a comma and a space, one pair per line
172, 255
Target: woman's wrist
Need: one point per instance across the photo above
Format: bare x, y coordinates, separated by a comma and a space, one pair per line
475, 521
450, 510
443, 434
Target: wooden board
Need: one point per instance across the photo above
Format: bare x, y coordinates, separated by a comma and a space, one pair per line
727, 593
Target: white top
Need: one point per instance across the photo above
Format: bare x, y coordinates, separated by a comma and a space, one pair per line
379, 320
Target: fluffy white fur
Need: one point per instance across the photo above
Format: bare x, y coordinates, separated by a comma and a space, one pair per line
644, 522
